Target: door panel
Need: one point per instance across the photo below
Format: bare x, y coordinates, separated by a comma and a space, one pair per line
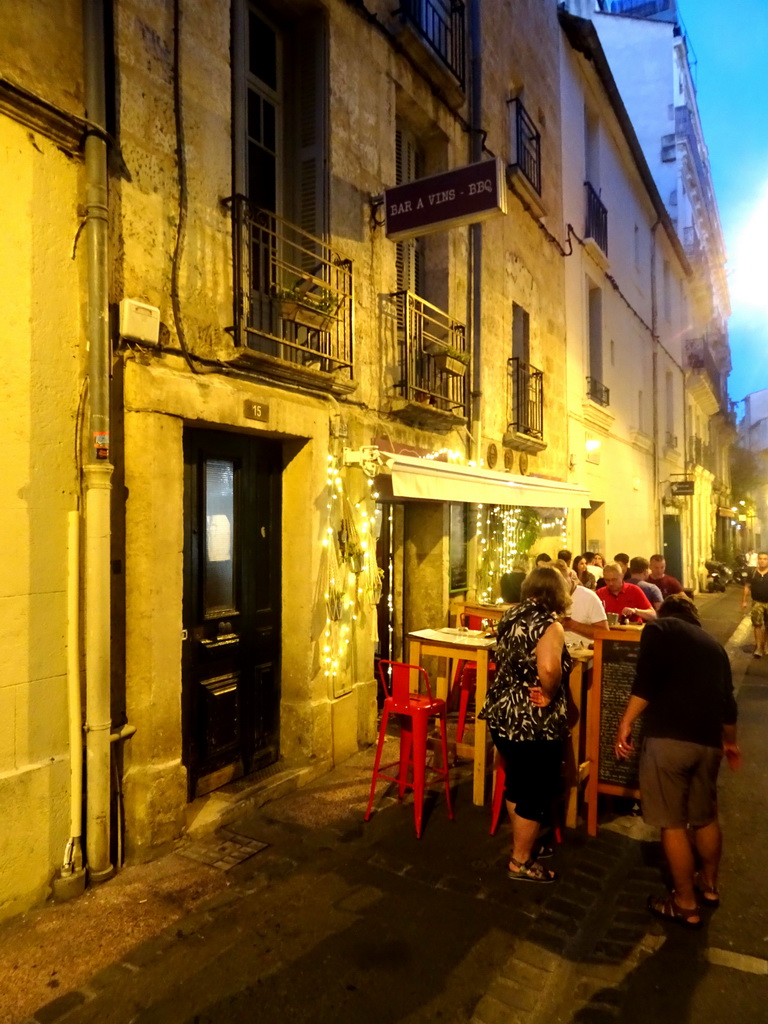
673, 547
230, 671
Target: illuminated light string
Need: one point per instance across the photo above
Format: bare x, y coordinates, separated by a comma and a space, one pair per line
503, 534
352, 576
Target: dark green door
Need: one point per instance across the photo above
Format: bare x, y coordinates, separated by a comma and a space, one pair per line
231, 626
673, 546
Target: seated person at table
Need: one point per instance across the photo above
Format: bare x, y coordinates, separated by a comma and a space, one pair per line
639, 571
624, 598
659, 577
587, 611
511, 582
622, 560
526, 710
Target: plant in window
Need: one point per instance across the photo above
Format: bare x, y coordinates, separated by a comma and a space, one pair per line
314, 309
452, 360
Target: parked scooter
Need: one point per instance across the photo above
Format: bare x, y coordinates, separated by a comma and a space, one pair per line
742, 573
717, 577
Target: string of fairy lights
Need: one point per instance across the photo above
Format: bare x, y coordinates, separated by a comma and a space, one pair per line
504, 535
353, 581
352, 577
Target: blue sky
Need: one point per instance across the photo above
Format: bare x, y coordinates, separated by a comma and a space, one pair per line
731, 44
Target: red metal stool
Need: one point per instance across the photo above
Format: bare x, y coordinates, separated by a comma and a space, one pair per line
499, 780
416, 711
466, 683
465, 680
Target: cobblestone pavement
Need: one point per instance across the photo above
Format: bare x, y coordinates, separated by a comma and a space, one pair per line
312, 916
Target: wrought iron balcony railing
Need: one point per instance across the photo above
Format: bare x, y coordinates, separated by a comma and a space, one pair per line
699, 357
636, 8
293, 292
597, 218
433, 357
598, 392
526, 145
527, 385
700, 453
441, 24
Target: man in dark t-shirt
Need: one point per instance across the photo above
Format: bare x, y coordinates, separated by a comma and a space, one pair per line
756, 587
684, 691
667, 584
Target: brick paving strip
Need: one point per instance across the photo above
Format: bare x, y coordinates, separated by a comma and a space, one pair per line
589, 935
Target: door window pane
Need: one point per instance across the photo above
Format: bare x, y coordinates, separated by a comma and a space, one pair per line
219, 535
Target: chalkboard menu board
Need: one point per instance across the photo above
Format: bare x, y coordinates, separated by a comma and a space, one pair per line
615, 661
618, 664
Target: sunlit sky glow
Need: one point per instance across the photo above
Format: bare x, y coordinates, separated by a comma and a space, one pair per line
730, 41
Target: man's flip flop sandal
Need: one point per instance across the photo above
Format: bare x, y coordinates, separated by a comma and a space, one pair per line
710, 897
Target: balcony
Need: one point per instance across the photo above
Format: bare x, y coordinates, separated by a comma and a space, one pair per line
636, 8
598, 392
670, 441
438, 25
703, 379
433, 363
700, 453
525, 432
524, 173
293, 301
596, 225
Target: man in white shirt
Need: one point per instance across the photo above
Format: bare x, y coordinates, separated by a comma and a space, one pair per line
587, 610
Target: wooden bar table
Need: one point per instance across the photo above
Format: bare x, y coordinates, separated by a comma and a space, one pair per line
459, 645
577, 766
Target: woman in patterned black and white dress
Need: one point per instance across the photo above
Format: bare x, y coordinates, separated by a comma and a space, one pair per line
526, 713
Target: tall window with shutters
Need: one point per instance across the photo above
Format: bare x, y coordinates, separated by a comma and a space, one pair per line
281, 115
409, 165
293, 292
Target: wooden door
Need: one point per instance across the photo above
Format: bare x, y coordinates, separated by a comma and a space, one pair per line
231, 612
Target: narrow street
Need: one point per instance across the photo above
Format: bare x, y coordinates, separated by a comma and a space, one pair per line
314, 916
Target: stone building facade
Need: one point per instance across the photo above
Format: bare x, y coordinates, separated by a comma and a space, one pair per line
310, 423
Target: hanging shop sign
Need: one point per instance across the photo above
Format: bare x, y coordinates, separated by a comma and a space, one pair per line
465, 195
681, 487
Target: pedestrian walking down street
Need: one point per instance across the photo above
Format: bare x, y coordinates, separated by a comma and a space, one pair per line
683, 690
526, 714
757, 588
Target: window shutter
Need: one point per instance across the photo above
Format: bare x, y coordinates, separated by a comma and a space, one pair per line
409, 256
310, 185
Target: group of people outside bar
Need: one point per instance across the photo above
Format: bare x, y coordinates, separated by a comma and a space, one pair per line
683, 691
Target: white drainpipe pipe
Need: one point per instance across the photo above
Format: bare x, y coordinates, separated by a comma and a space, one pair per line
98, 469
71, 880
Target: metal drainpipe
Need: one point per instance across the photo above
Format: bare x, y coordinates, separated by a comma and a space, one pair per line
655, 385
476, 231
98, 469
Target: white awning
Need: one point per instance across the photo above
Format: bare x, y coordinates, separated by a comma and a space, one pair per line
432, 480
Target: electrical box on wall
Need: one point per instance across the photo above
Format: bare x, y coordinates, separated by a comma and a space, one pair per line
139, 321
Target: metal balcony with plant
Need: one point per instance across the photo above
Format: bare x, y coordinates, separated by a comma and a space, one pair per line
596, 225
293, 292
433, 356
527, 389
440, 23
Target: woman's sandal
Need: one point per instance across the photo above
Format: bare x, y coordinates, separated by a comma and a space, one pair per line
666, 909
531, 871
710, 896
